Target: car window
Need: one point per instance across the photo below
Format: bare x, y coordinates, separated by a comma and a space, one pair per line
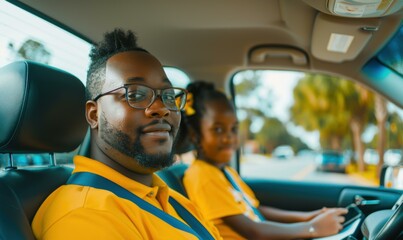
305, 127
177, 77
24, 35
391, 54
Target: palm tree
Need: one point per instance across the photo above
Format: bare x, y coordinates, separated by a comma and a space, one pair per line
335, 107
381, 115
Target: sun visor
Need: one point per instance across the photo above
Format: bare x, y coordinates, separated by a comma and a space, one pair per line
337, 39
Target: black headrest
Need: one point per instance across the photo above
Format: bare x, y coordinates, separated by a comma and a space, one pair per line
42, 109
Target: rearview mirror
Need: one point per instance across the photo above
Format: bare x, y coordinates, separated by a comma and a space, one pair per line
392, 177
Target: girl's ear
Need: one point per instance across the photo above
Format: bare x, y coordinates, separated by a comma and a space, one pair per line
91, 113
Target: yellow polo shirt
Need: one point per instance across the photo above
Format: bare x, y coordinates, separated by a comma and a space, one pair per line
207, 186
81, 212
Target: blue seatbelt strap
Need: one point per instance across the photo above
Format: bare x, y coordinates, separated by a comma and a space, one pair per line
96, 181
190, 219
230, 178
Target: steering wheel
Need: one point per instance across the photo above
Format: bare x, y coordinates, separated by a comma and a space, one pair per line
393, 226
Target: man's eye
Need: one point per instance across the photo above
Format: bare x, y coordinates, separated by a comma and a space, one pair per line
169, 98
136, 96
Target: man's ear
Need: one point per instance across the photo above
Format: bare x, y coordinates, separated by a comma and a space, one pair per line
91, 113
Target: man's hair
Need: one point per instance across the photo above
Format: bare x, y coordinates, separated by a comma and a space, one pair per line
113, 42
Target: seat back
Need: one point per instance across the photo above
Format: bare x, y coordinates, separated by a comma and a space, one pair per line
42, 111
173, 176
22, 191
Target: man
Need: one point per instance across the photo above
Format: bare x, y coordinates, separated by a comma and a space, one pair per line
134, 114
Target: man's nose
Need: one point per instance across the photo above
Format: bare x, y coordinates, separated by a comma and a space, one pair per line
157, 108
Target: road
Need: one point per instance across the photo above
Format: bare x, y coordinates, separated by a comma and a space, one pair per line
297, 168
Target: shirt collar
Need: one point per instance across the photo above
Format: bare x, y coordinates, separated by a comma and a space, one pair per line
159, 188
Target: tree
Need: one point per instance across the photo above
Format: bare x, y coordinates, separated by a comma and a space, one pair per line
335, 107
381, 115
32, 50
273, 132
318, 106
395, 130
361, 108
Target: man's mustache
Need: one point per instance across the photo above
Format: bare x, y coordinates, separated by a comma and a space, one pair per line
154, 122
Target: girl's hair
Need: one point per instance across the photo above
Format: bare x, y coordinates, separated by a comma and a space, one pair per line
200, 92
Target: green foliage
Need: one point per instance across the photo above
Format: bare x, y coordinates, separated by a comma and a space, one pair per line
32, 50
273, 132
250, 80
394, 133
330, 104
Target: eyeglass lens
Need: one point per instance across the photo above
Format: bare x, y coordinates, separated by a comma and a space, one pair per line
139, 96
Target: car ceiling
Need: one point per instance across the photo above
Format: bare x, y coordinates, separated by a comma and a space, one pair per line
211, 40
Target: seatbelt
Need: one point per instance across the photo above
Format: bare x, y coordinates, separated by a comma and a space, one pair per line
231, 179
96, 181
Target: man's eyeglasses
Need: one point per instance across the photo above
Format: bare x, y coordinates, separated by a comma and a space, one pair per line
141, 97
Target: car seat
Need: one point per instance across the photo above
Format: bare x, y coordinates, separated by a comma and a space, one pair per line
42, 111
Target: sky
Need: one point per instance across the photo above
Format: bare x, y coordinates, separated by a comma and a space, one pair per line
68, 52
278, 88
282, 84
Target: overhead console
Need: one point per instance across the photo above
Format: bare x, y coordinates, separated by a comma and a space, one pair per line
357, 8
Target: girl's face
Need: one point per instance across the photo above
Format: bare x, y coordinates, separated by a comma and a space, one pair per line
219, 133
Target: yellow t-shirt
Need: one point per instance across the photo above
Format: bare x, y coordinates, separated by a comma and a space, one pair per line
82, 212
207, 186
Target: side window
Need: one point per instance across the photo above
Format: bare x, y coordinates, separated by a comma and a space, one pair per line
177, 77
24, 35
313, 127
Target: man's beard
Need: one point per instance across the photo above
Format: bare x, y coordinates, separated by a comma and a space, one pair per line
121, 142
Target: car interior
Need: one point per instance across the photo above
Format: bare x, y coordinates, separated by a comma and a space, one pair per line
42, 107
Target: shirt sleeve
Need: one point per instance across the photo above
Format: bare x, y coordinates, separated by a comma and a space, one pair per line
87, 224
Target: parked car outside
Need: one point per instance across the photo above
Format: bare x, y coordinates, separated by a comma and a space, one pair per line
393, 157
371, 156
332, 161
283, 152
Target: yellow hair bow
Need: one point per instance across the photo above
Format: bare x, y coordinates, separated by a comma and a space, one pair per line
189, 110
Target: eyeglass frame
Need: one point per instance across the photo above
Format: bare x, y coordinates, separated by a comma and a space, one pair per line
156, 94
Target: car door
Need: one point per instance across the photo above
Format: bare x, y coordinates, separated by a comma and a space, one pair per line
305, 196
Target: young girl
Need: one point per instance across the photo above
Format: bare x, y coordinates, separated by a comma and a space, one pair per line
219, 191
